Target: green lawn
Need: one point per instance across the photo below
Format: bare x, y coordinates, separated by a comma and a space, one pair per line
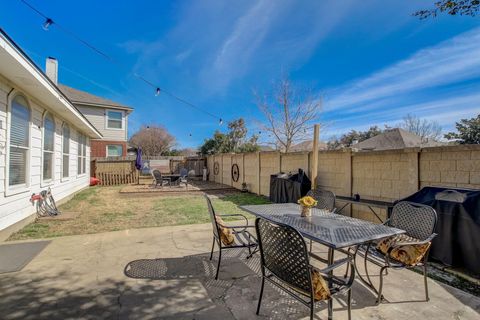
104, 209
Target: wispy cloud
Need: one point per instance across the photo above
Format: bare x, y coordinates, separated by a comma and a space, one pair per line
452, 61
268, 34
438, 83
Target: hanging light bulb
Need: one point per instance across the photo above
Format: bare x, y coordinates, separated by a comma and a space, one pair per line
48, 22
157, 92
221, 121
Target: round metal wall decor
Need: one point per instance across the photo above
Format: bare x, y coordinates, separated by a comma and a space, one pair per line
235, 172
216, 168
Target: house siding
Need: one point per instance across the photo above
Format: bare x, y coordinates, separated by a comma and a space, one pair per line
16, 207
97, 116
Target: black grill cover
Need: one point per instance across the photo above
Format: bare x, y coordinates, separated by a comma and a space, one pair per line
286, 187
458, 241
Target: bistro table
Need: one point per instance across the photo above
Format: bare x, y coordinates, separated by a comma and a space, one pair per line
173, 177
330, 229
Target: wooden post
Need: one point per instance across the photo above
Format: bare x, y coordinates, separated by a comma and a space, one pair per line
314, 169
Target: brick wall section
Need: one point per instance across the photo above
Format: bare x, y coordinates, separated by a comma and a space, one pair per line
294, 161
334, 172
99, 148
453, 167
269, 164
385, 176
251, 171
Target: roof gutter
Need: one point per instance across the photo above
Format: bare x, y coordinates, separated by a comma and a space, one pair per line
62, 97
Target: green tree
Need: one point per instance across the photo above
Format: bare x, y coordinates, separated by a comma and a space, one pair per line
348, 139
468, 131
451, 7
235, 140
213, 145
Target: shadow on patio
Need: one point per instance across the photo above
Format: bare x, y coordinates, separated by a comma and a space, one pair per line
165, 273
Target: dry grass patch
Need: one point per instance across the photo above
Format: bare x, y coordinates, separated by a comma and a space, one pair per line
104, 209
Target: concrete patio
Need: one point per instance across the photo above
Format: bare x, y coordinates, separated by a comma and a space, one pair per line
165, 273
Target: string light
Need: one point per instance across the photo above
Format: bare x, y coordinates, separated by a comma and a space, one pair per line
48, 22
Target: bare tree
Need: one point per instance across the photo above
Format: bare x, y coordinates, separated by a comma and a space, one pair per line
290, 113
154, 140
427, 130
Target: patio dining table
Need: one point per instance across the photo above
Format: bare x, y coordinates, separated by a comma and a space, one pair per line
335, 231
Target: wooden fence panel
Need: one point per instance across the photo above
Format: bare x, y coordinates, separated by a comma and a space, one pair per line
112, 173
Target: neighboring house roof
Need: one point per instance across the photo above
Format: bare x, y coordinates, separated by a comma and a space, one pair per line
307, 146
395, 139
265, 148
17, 67
85, 98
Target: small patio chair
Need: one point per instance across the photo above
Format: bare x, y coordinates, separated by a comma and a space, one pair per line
325, 199
183, 177
230, 237
285, 263
158, 178
407, 250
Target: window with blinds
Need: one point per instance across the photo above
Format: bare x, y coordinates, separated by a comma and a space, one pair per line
114, 150
19, 142
48, 146
66, 151
82, 154
114, 119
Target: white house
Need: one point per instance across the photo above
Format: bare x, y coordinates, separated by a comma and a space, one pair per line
44, 138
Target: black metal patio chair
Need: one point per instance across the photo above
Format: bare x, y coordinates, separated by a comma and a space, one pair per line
407, 250
325, 199
159, 179
183, 177
230, 237
285, 263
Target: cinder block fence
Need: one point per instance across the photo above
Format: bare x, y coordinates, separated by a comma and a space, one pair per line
377, 175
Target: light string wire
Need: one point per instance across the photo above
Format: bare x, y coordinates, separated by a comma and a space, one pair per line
49, 21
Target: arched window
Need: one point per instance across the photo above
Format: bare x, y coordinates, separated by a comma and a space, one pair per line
66, 152
19, 152
48, 146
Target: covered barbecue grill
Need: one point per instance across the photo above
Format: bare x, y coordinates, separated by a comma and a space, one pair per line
288, 187
458, 227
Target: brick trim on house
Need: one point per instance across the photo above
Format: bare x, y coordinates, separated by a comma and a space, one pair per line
99, 147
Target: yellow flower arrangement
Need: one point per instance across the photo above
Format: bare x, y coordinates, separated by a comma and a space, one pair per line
307, 201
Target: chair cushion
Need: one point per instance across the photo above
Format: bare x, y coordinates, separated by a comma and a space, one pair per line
407, 254
320, 286
226, 235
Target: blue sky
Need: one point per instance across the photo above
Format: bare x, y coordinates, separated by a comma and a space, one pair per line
371, 61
